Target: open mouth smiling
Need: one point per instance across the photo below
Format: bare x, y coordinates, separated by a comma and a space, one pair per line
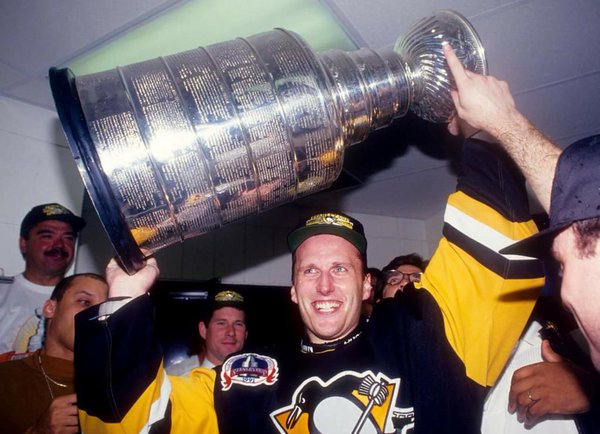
328, 306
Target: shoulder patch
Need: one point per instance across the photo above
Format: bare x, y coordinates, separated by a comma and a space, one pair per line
249, 369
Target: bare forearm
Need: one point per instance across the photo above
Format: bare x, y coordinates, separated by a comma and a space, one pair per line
533, 152
486, 103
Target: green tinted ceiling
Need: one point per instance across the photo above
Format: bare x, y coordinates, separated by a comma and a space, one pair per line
203, 22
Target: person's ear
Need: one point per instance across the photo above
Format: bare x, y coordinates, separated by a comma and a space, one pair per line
49, 309
22, 245
453, 126
202, 329
367, 287
293, 295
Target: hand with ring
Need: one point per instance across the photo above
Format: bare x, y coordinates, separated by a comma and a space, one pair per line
554, 386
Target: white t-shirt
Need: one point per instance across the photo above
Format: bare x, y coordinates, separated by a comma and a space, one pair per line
496, 418
21, 318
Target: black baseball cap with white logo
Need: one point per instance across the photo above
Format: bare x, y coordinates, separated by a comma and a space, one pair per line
50, 211
224, 298
331, 223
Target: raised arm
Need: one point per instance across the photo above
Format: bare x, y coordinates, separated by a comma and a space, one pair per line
121, 384
485, 103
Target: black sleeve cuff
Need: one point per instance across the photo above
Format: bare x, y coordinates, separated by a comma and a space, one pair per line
116, 359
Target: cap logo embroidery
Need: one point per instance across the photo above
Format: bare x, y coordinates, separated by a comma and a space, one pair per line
330, 219
54, 209
228, 295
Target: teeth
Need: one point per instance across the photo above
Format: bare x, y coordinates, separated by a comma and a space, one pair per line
327, 306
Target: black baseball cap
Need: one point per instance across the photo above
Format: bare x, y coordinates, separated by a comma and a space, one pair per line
224, 298
50, 211
575, 196
331, 223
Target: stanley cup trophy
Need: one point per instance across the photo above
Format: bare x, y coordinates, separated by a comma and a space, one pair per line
174, 147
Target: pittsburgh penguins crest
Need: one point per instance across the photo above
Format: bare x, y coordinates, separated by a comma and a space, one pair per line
350, 402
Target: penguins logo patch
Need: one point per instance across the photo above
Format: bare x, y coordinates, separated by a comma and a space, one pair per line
348, 403
249, 369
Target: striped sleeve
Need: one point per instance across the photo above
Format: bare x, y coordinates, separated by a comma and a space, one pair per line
168, 405
121, 384
485, 297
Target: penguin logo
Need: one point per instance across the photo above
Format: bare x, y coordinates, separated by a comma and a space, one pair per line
349, 403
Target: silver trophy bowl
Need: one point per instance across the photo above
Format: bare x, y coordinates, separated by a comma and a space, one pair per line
174, 147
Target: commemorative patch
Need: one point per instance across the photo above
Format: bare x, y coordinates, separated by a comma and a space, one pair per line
249, 369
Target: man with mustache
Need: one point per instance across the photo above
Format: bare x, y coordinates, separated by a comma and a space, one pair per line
47, 242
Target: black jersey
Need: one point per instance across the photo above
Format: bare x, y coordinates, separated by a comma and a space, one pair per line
419, 366
373, 381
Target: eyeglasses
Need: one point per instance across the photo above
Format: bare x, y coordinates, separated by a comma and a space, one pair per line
396, 277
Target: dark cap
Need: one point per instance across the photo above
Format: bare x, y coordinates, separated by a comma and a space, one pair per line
225, 298
330, 223
575, 196
50, 211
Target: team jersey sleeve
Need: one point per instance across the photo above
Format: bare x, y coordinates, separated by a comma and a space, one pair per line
485, 297
121, 384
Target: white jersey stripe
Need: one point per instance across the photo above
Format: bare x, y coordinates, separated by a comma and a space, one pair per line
483, 234
159, 407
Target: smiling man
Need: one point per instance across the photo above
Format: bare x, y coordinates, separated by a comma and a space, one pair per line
224, 328
328, 283
223, 331
394, 373
47, 242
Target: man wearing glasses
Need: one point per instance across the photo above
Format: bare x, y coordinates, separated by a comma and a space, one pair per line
401, 271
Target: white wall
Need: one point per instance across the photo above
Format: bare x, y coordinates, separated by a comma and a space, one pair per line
389, 237
433, 229
36, 167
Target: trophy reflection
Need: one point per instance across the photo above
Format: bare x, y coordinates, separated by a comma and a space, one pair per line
174, 147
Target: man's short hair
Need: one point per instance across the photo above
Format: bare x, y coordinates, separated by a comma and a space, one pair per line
49, 211
61, 287
411, 259
587, 234
377, 282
